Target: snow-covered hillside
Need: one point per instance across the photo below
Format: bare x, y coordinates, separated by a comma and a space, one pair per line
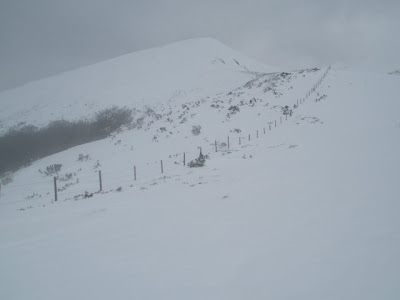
295, 206
189, 69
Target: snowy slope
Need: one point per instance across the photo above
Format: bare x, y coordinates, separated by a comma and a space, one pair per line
189, 68
307, 210
164, 132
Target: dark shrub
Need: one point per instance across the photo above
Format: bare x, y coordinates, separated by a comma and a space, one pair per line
198, 162
21, 146
111, 119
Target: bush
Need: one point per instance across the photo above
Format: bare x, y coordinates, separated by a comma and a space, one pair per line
82, 157
196, 129
198, 162
111, 119
21, 146
51, 170
234, 109
286, 110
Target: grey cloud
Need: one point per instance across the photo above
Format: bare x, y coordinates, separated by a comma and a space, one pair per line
43, 37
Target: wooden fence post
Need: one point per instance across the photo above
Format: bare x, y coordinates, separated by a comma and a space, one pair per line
184, 158
249, 137
216, 146
55, 189
134, 173
100, 181
269, 126
228, 142
162, 167
275, 123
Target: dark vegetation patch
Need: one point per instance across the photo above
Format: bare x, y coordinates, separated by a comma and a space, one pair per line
198, 162
21, 146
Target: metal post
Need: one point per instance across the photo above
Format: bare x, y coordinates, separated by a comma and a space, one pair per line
101, 182
55, 189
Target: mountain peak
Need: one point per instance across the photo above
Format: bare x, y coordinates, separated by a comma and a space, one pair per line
144, 77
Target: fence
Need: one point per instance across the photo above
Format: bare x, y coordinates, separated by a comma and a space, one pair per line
94, 181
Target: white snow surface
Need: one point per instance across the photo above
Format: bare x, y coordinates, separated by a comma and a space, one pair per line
190, 68
308, 210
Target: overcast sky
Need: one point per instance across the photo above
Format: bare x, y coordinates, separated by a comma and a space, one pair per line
39, 38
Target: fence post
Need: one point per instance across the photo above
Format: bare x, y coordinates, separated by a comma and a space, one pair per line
215, 145
269, 126
100, 181
162, 167
184, 158
201, 153
228, 142
264, 130
286, 116
249, 137
134, 173
275, 123
55, 189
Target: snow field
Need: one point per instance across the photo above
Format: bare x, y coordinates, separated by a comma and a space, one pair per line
307, 211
